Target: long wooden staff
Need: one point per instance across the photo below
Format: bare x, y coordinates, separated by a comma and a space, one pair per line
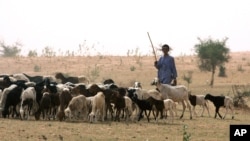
152, 47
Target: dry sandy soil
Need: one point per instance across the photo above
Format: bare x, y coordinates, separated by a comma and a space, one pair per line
124, 71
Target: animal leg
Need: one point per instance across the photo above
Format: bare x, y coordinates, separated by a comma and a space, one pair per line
183, 109
207, 109
203, 108
147, 114
217, 112
194, 111
139, 115
189, 107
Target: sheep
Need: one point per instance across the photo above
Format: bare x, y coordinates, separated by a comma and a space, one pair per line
219, 101
160, 105
176, 93
72, 79
21, 76
64, 98
35, 79
169, 105
4, 95
198, 100
98, 106
108, 81
11, 97
77, 105
83, 79
28, 99
121, 102
50, 77
143, 105
45, 107
137, 85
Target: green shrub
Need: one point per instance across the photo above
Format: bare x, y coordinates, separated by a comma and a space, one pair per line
132, 68
37, 68
186, 135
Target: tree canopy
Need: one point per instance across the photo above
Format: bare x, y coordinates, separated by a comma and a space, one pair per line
211, 54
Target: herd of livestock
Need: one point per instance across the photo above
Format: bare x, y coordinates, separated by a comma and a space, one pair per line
73, 98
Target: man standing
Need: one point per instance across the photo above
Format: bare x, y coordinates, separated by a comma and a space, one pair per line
167, 73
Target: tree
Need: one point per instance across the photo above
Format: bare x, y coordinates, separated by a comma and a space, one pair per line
211, 54
10, 50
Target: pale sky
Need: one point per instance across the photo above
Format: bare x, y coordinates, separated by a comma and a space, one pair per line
116, 26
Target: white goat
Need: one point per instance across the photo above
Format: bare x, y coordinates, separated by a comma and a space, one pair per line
98, 107
77, 105
176, 93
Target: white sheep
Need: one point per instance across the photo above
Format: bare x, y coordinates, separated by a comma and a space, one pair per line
28, 102
21, 76
98, 107
83, 79
77, 105
128, 107
169, 105
144, 94
176, 93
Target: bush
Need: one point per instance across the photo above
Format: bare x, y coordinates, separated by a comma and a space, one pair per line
222, 71
37, 68
10, 50
132, 68
32, 53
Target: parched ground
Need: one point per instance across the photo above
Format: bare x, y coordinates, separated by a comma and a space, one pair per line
126, 70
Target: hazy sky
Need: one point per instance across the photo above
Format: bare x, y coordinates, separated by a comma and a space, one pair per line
116, 26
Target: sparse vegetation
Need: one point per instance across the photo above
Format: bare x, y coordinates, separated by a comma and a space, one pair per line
37, 68
186, 135
10, 50
93, 73
240, 68
132, 68
188, 77
32, 53
48, 52
222, 71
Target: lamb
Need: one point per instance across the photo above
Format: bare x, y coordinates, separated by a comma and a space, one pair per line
219, 101
77, 105
160, 105
143, 105
176, 93
121, 102
198, 100
98, 107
